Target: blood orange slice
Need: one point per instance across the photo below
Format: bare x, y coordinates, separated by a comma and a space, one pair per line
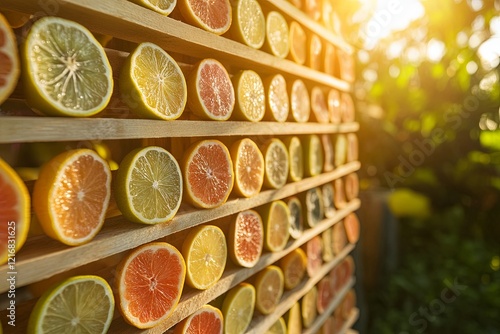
208, 174
319, 106
269, 285
276, 219
211, 92
294, 267
313, 252
300, 103
296, 217
333, 101
351, 224
325, 295
298, 40
246, 238
249, 170
278, 103
214, 16
206, 320
9, 60
149, 283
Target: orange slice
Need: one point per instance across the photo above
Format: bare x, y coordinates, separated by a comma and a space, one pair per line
206, 320
249, 170
269, 285
300, 104
277, 101
339, 194
205, 252
339, 238
333, 101
331, 65
294, 319
340, 150
213, 16
351, 182
319, 106
14, 212
149, 282
9, 64
293, 266
328, 195
329, 155
308, 307
352, 147
246, 238
208, 174
276, 162
276, 219
238, 308
277, 35
315, 52
279, 327
313, 199
210, 90
296, 217
250, 97
249, 23
314, 259
298, 43
313, 155
325, 295
164, 7
351, 224
71, 196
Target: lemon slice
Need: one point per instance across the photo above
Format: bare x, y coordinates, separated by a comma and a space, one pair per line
277, 35
249, 24
66, 72
164, 7
276, 163
279, 327
269, 286
250, 97
298, 42
300, 103
295, 152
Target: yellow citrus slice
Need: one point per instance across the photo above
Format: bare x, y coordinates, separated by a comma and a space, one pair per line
246, 238
313, 9
340, 150
238, 308
205, 252
277, 101
149, 282
164, 7
296, 154
298, 43
294, 319
279, 327
327, 10
326, 238
339, 194
210, 91
347, 108
313, 155
80, 304
339, 238
208, 174
152, 84
319, 106
308, 307
351, 183
206, 320
71, 196
352, 147
249, 171
300, 104
333, 101
296, 217
329, 155
327, 192
14, 212
276, 163
269, 285
331, 65
213, 16
61, 78
249, 23
250, 97
346, 64
9, 65
276, 219
294, 268
313, 200
148, 186
315, 52
277, 35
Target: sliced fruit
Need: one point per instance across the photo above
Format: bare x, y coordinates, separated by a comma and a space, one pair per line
351, 182
14, 212
80, 304
352, 147
249, 23
206, 320
334, 106
300, 104
210, 91
325, 295
250, 97
331, 66
149, 283
276, 162
350, 266
9, 65
277, 100
339, 322
148, 186
152, 84
296, 3
293, 266
339, 238
208, 174
339, 194
313, 9
348, 304
60, 81
246, 238
328, 196
308, 307
313, 155
326, 238
315, 211
318, 106
346, 62
249, 170
238, 308
298, 43
314, 259
71, 196
205, 252
277, 35
296, 154
340, 150
351, 224
269, 285
329, 155
294, 319
327, 10
276, 219
279, 327
327, 327
164, 7
347, 108
315, 52
213, 16
296, 217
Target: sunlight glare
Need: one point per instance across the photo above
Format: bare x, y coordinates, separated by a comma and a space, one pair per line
435, 50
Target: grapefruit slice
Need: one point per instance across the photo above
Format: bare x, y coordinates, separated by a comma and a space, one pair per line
246, 238
313, 155
351, 224
325, 295
276, 162
206, 320
308, 307
213, 16
293, 266
277, 100
352, 147
250, 98
339, 238
9, 65
208, 174
14, 212
149, 283
164, 7
315, 211
319, 106
279, 327
296, 217
269, 285
339, 194
300, 104
276, 219
315, 52
238, 308
347, 108
298, 43
249, 23
314, 259
296, 156
328, 196
277, 35
351, 182
333, 101
329, 155
294, 319
210, 90
249, 170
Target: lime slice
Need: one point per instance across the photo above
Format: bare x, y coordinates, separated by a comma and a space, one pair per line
66, 72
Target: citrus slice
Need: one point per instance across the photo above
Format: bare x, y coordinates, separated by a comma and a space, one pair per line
352, 147
148, 186
319, 106
14, 18
80, 304
249, 23
334, 106
327, 327
350, 266
164, 7
213, 16
248, 163
210, 90
313, 199
327, 10
206, 320
296, 217
351, 224
339, 238
313, 9
325, 295
326, 238
14, 212
298, 42
238, 308
277, 35
328, 203
71, 196
294, 319
152, 84
296, 3
338, 324
276, 219
269, 285
340, 150
246, 238
250, 97
346, 62
339, 194
342, 272
62, 78
331, 66
278, 103
315, 54
9, 65
295, 152
205, 252
293, 266
351, 183
329, 155
348, 304
300, 104
347, 108
208, 174
308, 307
314, 259
279, 327
313, 155
276, 163
149, 283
